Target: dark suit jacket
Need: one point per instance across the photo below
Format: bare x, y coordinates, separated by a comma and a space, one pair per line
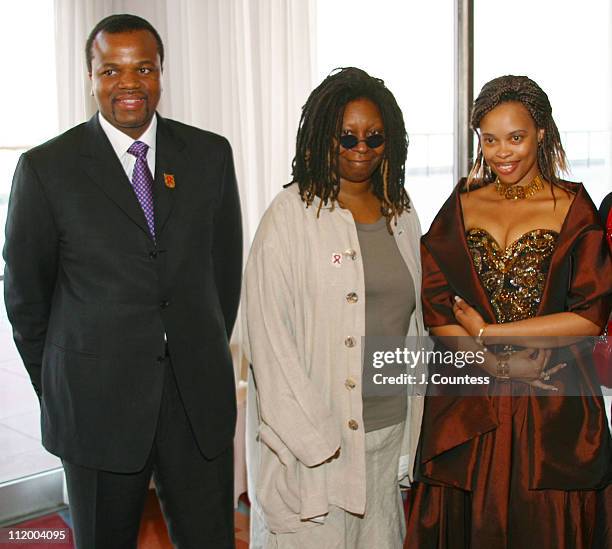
90, 295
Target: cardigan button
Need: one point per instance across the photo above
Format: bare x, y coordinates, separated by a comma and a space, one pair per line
349, 341
353, 425
350, 383
352, 297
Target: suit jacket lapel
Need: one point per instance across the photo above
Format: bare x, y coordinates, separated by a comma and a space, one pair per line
170, 174
102, 165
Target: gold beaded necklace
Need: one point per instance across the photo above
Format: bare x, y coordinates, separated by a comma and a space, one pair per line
519, 192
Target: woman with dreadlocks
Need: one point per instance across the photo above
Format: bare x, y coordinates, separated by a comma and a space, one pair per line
516, 467
335, 258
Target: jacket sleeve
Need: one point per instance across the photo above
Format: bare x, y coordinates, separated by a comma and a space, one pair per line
30, 253
227, 244
590, 289
289, 403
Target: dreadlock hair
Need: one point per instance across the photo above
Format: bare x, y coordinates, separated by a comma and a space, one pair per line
315, 165
551, 156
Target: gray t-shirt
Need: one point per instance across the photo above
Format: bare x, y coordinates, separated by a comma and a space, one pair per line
390, 301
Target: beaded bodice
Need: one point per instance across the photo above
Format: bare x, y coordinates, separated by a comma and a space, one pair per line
514, 277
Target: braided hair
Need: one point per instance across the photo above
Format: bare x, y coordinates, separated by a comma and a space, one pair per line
551, 156
315, 165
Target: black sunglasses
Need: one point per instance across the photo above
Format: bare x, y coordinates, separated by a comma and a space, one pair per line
348, 141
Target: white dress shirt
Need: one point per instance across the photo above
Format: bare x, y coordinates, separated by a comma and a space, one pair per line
121, 142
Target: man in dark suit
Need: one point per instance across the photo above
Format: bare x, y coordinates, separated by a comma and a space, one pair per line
123, 262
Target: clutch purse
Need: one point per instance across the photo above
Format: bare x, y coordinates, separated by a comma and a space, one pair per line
602, 356
602, 353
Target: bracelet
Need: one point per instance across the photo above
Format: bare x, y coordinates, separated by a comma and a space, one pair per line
503, 370
478, 338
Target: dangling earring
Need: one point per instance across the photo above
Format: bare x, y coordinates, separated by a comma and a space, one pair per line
476, 168
487, 172
541, 158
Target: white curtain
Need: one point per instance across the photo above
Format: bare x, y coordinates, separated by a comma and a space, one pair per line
241, 68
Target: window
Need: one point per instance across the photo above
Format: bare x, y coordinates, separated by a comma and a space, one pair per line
565, 48
28, 99
409, 45
28, 110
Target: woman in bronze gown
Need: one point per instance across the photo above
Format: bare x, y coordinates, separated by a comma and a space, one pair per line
516, 251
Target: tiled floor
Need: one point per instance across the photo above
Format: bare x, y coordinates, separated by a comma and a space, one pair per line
153, 533
21, 453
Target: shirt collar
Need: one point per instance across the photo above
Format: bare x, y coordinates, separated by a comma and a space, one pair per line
121, 142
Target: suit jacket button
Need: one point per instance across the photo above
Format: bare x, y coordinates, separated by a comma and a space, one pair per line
153, 255
164, 304
353, 425
350, 341
352, 297
161, 358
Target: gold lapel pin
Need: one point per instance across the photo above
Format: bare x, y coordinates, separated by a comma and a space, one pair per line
169, 180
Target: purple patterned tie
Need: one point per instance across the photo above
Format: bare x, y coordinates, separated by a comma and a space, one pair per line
142, 182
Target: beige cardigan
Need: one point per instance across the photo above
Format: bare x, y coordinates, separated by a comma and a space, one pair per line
303, 338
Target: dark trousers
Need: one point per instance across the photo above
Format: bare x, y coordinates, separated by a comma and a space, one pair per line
196, 493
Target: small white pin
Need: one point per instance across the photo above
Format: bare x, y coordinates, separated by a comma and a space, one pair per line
336, 260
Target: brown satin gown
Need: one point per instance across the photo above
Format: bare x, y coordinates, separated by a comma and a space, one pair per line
523, 471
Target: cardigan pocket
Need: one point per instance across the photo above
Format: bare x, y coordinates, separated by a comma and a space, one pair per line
282, 478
